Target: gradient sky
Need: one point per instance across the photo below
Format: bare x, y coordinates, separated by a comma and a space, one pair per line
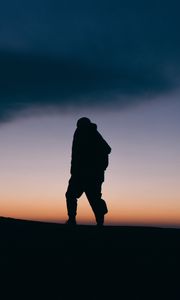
116, 62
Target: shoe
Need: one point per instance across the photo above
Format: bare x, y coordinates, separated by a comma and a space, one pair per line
100, 220
71, 222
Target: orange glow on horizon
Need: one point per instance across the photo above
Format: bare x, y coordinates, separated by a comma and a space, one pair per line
55, 211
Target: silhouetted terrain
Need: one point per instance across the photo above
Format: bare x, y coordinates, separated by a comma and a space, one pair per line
41, 260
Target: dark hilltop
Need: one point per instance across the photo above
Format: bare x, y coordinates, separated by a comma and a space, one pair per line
85, 262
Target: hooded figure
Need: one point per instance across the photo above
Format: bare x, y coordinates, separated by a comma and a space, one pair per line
89, 160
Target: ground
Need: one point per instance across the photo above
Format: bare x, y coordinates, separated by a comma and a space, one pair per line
41, 260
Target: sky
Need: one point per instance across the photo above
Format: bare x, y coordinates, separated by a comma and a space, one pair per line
116, 62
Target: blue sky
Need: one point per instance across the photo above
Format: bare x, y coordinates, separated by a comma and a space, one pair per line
107, 52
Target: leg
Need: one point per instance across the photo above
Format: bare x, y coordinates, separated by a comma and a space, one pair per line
93, 193
74, 191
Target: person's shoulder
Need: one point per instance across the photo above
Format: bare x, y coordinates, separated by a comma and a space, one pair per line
94, 126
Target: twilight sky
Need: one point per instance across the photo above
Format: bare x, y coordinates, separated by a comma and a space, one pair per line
116, 62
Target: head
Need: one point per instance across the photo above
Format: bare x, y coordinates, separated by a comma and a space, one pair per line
83, 123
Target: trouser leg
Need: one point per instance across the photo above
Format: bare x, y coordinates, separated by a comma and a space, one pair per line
93, 193
74, 191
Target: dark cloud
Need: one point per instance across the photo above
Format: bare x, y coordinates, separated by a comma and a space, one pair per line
75, 52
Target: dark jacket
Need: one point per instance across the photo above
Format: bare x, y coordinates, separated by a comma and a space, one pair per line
89, 151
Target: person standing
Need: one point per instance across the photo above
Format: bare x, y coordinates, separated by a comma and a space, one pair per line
89, 161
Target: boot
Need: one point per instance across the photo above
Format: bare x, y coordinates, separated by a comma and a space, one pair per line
100, 220
71, 221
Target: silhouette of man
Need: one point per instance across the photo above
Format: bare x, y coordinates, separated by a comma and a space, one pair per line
89, 161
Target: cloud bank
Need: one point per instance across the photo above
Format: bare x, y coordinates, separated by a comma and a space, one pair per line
83, 53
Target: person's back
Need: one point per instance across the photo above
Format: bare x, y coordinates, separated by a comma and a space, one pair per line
89, 151
88, 162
